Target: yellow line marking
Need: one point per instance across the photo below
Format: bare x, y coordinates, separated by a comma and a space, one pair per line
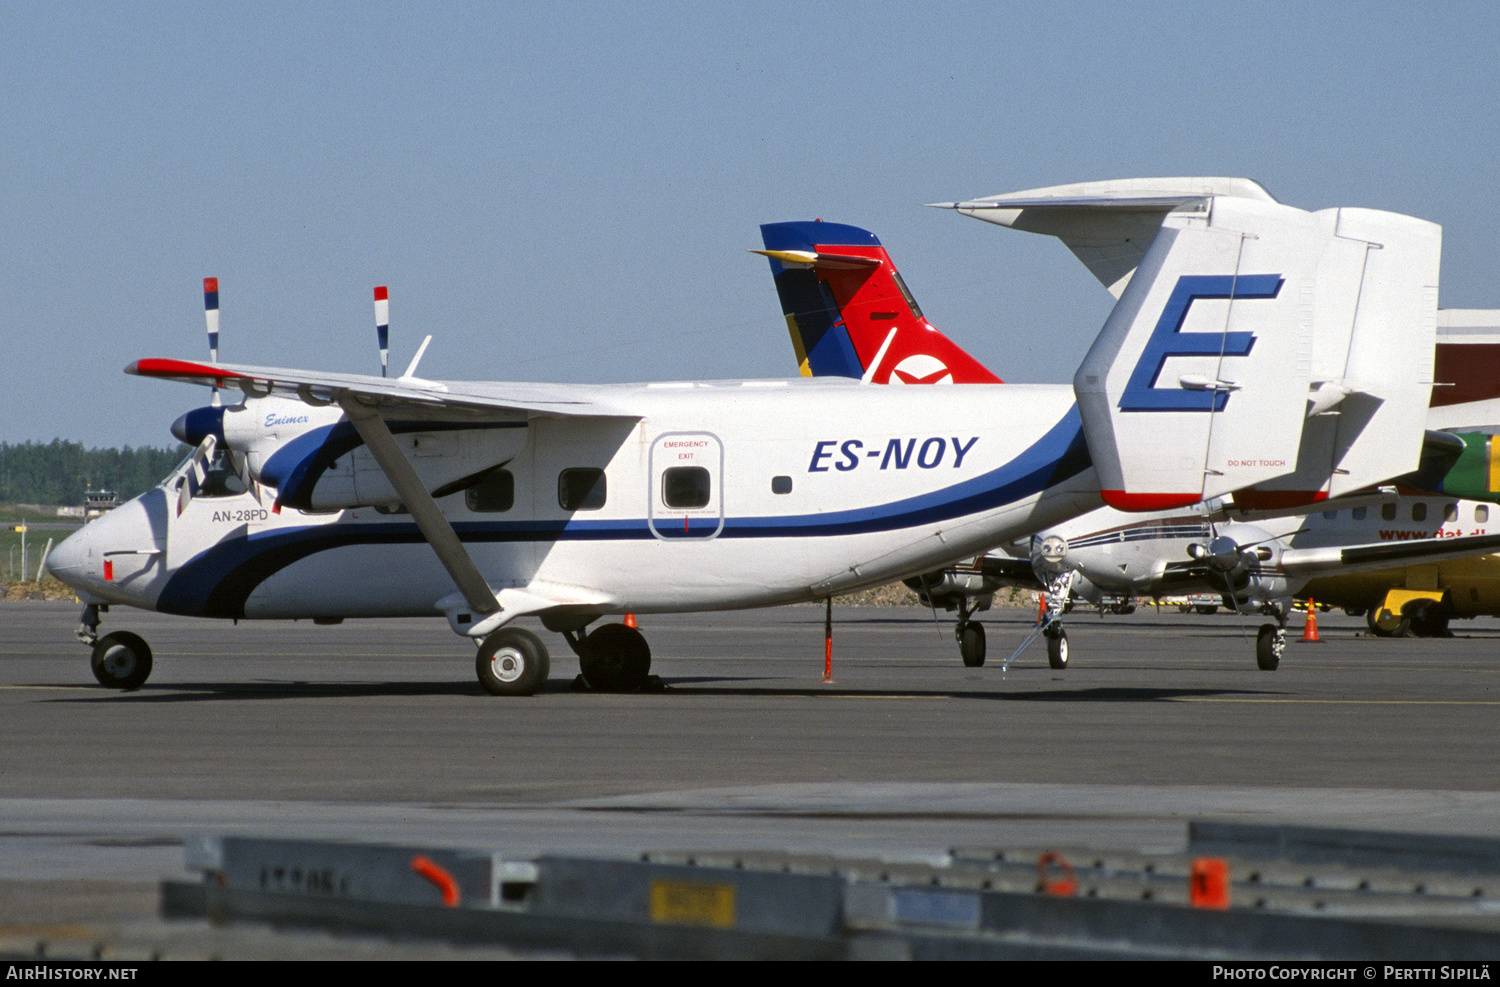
40, 687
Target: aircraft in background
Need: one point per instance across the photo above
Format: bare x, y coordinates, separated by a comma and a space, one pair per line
851, 317
488, 502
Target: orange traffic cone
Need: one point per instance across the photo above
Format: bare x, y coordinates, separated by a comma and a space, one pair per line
1310, 629
1041, 607
630, 620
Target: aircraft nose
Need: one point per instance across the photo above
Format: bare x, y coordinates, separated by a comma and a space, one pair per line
66, 561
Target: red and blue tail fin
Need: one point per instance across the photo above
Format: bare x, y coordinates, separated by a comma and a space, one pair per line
851, 315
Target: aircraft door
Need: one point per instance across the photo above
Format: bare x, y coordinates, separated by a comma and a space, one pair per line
687, 481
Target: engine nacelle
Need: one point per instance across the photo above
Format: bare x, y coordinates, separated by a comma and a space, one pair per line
315, 460
1243, 559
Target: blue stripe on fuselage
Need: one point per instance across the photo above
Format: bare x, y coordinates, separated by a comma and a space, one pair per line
295, 468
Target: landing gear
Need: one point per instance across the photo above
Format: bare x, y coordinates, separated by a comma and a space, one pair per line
970, 634
613, 658
512, 662
1427, 618
121, 661
1057, 646
1269, 644
1384, 623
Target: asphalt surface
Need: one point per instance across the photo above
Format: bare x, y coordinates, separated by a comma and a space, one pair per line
378, 731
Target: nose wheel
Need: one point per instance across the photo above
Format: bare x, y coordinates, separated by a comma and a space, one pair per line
1057, 646
1269, 644
121, 660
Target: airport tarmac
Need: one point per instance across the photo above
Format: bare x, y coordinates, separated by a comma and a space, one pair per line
378, 731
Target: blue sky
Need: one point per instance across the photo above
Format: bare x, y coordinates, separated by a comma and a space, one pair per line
566, 191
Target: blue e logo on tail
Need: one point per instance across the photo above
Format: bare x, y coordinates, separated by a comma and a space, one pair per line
1168, 339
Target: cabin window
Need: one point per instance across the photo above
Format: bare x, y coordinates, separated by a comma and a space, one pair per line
1330, 515
1482, 513
781, 484
581, 489
1450, 512
1359, 513
1419, 511
685, 487
1388, 511
496, 491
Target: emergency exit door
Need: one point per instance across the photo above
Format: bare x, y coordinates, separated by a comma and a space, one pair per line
687, 483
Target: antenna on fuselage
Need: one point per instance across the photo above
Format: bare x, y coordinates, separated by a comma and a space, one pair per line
211, 318
383, 328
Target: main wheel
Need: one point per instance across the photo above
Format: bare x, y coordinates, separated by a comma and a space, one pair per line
1384, 623
1427, 619
512, 662
1057, 648
121, 661
971, 643
1268, 646
615, 658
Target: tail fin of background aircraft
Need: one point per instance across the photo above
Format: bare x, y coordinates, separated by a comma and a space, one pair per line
1253, 345
851, 315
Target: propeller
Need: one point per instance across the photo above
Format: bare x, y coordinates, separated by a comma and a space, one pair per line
383, 327
196, 473
211, 317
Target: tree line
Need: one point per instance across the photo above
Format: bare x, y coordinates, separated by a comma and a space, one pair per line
59, 472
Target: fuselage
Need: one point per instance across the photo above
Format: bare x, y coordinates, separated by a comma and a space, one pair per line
705, 496
1119, 553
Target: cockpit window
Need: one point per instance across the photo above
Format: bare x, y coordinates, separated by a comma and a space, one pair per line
220, 476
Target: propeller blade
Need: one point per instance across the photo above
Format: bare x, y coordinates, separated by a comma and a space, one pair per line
211, 317
192, 481
383, 327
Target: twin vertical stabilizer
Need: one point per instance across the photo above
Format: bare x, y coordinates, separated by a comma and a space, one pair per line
1255, 347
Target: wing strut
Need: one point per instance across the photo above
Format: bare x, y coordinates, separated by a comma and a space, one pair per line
424, 510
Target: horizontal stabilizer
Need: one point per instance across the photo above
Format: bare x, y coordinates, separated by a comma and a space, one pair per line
1107, 225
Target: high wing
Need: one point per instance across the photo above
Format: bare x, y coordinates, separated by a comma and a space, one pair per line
437, 400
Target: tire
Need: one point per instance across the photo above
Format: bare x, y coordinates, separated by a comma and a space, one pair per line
512, 662
1383, 623
615, 658
1268, 645
1427, 619
1207, 608
121, 661
1057, 648
971, 643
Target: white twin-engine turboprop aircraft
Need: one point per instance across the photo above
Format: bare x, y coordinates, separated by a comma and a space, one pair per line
328, 496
